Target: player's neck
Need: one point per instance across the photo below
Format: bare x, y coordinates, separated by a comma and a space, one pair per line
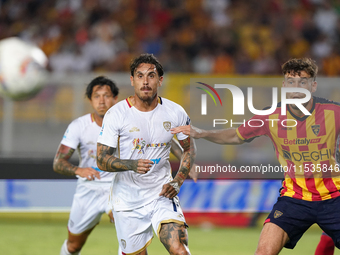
144, 106
298, 112
97, 119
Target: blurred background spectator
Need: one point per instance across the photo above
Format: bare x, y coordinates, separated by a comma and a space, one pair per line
202, 36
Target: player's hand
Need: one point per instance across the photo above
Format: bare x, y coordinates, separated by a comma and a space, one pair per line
193, 173
190, 130
170, 189
88, 173
112, 220
143, 166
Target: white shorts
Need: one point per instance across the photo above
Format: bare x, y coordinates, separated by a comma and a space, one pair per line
134, 227
89, 203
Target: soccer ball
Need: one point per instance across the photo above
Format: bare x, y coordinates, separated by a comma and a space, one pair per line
22, 69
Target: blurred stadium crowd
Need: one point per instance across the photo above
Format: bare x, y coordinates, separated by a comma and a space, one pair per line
202, 36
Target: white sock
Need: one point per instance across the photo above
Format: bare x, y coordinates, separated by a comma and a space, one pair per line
64, 250
119, 251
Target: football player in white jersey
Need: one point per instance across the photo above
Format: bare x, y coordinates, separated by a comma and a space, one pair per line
93, 187
135, 142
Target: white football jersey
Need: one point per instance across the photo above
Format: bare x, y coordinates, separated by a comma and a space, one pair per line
141, 135
82, 134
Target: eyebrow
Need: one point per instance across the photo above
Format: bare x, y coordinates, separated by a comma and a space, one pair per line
300, 78
151, 72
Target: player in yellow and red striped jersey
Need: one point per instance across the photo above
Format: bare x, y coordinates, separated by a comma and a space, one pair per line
310, 190
306, 151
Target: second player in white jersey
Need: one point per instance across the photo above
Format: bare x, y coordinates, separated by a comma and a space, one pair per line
91, 199
141, 135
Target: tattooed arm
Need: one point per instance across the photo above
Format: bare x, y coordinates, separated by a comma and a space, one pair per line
106, 161
171, 189
62, 165
177, 151
188, 157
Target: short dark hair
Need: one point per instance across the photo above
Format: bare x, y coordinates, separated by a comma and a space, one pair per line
296, 65
101, 81
146, 59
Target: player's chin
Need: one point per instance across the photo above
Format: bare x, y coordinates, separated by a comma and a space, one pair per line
101, 112
146, 98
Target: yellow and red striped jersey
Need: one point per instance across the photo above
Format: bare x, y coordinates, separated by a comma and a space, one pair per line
305, 147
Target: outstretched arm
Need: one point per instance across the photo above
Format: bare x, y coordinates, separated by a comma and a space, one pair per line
171, 189
177, 150
106, 161
62, 165
220, 136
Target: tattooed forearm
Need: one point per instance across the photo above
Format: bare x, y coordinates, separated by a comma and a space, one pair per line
176, 149
106, 161
188, 158
61, 162
118, 165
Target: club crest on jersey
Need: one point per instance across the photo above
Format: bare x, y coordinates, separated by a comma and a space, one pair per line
167, 125
277, 214
316, 129
123, 243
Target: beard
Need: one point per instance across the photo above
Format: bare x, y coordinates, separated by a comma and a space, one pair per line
146, 98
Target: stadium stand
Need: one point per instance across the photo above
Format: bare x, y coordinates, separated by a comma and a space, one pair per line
224, 36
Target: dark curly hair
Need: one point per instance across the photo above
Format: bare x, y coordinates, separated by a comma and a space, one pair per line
296, 65
101, 81
146, 59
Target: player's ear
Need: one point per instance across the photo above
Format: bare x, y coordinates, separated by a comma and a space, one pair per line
314, 86
160, 81
131, 79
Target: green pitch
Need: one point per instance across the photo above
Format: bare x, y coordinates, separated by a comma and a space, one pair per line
41, 234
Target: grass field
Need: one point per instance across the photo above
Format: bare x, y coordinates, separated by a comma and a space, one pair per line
41, 234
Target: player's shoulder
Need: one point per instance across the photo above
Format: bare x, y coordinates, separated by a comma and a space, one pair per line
170, 104
325, 102
78, 125
165, 101
82, 120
